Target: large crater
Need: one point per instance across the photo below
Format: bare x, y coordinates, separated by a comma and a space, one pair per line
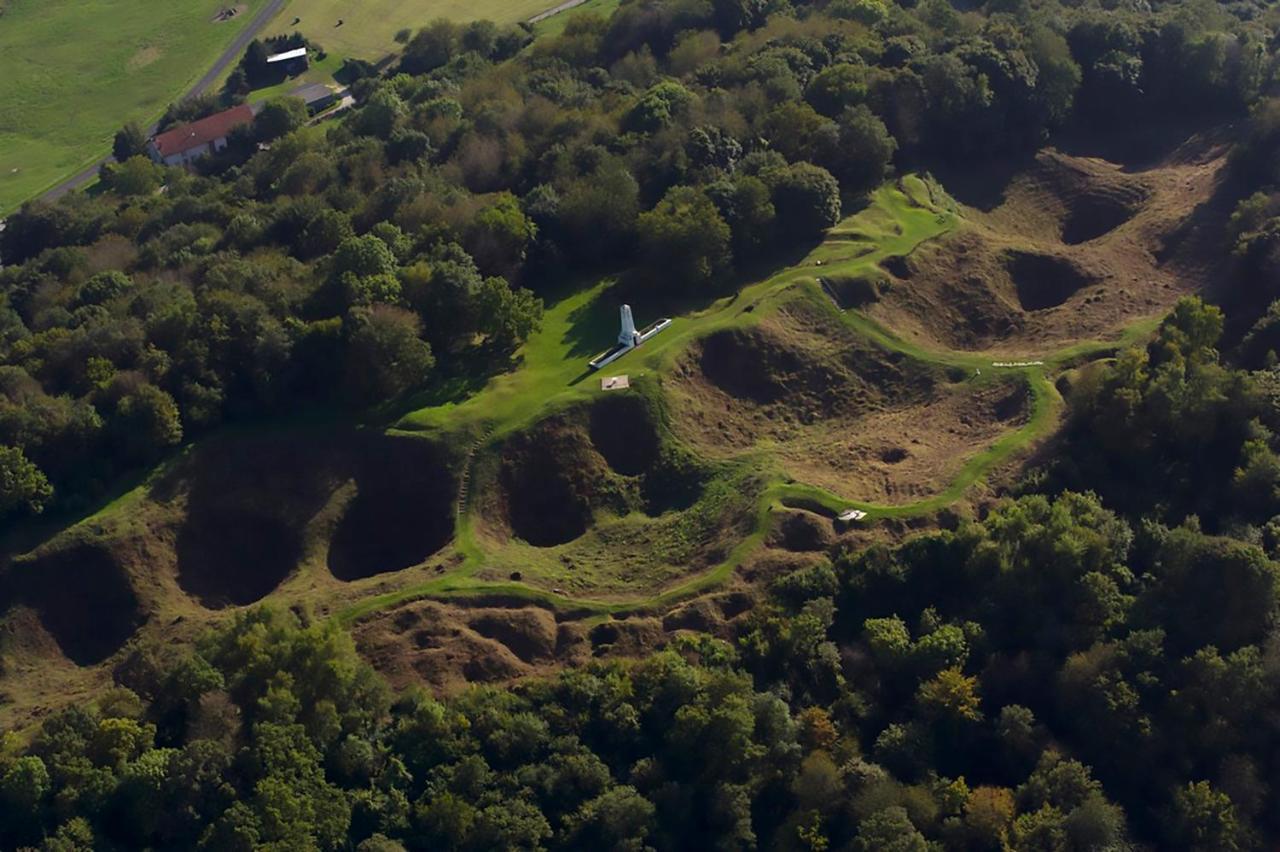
1044, 281
83, 598
402, 512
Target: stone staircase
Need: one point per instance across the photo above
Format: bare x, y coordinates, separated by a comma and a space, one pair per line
464, 481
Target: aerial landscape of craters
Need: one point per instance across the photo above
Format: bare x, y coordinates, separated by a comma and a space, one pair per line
640, 425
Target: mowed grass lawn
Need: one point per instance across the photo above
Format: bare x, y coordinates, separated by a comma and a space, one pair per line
369, 26
556, 23
73, 71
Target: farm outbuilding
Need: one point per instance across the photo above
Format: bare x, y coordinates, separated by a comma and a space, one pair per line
287, 56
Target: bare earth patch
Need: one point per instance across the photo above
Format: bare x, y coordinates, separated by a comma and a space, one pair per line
835, 411
229, 13
1074, 247
144, 57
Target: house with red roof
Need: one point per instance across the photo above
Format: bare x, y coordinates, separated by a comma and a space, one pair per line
187, 142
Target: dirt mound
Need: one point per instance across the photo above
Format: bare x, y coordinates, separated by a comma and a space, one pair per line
800, 366
802, 532
701, 615
631, 637
1044, 281
1071, 199
756, 366
448, 646
800, 370
623, 431
955, 289
402, 512
83, 599
834, 412
529, 633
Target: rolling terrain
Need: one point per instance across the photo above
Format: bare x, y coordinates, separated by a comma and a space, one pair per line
539, 520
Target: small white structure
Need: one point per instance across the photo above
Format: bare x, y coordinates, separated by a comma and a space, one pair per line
615, 383
848, 516
628, 338
296, 53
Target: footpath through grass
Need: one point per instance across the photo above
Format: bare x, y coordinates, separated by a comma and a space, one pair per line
73, 71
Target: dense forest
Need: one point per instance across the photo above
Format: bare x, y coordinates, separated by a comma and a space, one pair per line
1089, 665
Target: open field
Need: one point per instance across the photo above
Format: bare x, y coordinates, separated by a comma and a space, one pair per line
555, 24
74, 71
368, 28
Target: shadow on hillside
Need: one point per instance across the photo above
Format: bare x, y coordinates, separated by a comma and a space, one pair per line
978, 185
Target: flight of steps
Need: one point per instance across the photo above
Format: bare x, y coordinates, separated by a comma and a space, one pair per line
464, 481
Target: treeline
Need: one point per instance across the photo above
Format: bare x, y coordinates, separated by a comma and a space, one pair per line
1049, 678
1168, 431
682, 141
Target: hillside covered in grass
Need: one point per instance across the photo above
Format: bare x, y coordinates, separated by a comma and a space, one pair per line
944, 514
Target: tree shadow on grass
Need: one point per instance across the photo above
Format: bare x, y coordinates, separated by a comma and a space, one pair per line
981, 185
458, 378
594, 326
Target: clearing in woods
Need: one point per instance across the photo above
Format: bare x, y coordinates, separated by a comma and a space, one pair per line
74, 71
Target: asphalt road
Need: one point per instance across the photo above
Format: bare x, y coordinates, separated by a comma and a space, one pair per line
556, 10
228, 56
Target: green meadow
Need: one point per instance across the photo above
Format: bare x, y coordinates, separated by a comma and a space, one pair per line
368, 28
74, 71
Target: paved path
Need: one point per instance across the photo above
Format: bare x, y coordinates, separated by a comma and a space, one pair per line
563, 7
228, 56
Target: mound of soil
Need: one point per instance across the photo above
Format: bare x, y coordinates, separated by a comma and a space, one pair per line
83, 598
529, 633
701, 615
1094, 197
853, 291
796, 371
631, 637
756, 366
402, 512
448, 646
623, 431
551, 478
763, 367
1143, 234
1044, 281
801, 532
